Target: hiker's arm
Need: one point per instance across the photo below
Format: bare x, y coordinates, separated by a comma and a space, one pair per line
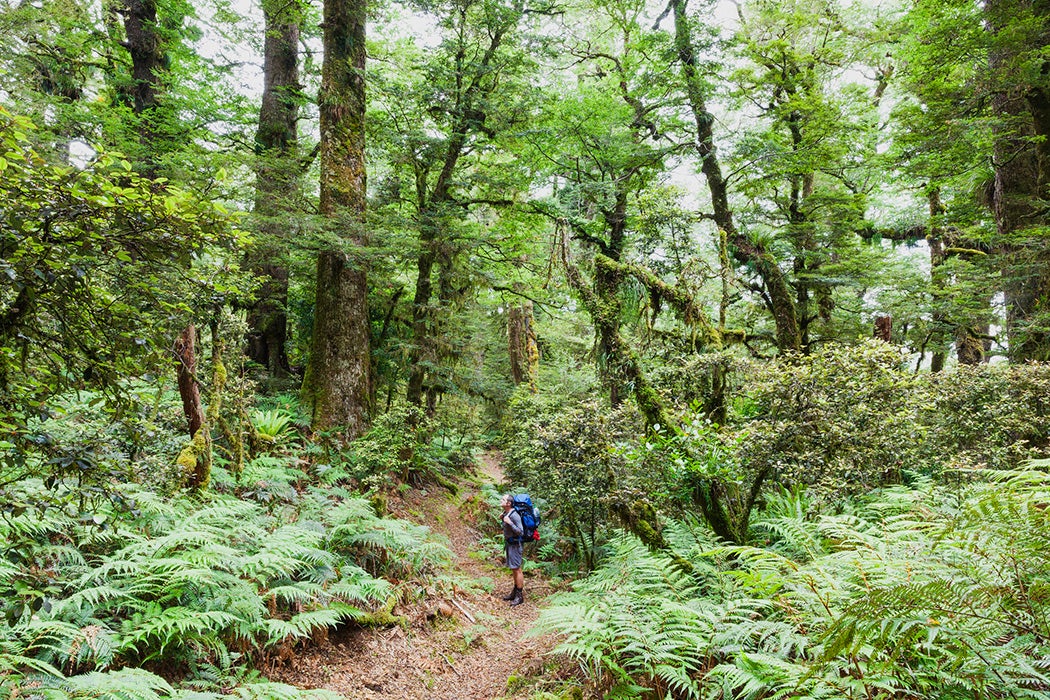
514, 521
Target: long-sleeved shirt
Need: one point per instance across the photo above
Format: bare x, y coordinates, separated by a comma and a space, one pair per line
512, 528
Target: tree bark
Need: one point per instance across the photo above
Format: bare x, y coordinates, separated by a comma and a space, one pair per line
883, 328
1022, 174
521, 345
338, 382
186, 355
277, 176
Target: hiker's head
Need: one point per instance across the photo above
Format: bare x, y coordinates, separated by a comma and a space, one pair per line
505, 501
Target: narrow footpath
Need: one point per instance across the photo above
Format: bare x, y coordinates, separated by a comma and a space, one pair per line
462, 642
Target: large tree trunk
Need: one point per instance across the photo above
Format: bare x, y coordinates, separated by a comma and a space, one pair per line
521, 345
1022, 174
277, 176
338, 383
782, 303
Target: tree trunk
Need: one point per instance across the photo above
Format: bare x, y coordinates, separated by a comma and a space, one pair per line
186, 355
624, 362
277, 175
935, 241
147, 58
883, 328
338, 382
521, 345
1022, 173
785, 316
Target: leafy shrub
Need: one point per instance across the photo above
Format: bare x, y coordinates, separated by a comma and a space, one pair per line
398, 445
995, 416
842, 418
566, 456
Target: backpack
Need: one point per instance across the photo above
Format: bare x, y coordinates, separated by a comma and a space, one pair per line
530, 518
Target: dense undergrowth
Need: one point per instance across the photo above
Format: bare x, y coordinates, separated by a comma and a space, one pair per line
913, 592
121, 589
852, 530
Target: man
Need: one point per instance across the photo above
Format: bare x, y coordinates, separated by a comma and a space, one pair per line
512, 532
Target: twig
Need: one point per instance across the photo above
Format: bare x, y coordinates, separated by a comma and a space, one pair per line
464, 611
454, 669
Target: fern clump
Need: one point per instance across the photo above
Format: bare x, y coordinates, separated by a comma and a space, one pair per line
920, 592
185, 584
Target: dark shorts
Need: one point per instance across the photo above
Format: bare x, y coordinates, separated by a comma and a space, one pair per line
513, 552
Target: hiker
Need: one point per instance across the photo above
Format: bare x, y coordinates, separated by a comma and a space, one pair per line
512, 534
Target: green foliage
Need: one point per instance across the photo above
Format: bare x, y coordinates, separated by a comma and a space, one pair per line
842, 417
398, 445
176, 582
993, 416
272, 426
89, 255
565, 455
924, 592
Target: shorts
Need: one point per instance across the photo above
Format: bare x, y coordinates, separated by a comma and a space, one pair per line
513, 552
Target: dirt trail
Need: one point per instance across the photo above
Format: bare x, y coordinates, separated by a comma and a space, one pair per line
463, 643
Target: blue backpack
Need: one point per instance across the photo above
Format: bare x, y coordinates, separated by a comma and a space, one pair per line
530, 518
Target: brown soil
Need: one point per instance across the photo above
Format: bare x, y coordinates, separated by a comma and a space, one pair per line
462, 641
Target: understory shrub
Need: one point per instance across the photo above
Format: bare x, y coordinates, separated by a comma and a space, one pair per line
567, 456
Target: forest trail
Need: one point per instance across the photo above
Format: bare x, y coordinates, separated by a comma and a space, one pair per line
463, 642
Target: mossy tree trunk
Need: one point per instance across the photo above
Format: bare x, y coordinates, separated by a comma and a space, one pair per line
276, 180
338, 382
622, 363
1022, 168
935, 241
195, 460
521, 345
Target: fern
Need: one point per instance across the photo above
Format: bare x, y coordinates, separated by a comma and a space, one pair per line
911, 593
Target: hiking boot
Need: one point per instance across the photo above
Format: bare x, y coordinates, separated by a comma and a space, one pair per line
513, 594
518, 598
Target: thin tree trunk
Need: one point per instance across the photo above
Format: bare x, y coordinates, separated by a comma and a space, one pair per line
338, 382
186, 355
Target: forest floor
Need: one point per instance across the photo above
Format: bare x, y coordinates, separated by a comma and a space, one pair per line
461, 640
